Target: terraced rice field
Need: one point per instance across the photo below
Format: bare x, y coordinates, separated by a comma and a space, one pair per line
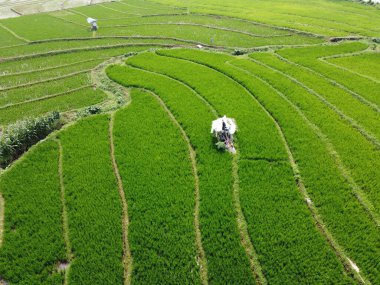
139, 194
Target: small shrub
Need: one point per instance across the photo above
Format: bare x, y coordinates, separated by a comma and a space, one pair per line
92, 110
239, 52
20, 136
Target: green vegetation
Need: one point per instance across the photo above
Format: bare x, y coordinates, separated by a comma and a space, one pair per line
162, 200
225, 256
33, 238
363, 64
133, 190
366, 90
63, 102
19, 137
93, 205
331, 18
341, 211
268, 149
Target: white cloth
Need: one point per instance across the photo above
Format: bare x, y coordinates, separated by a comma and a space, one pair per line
217, 125
91, 20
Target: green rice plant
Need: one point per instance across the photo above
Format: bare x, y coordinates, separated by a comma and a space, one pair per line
50, 62
19, 137
12, 81
228, 97
43, 26
93, 205
269, 242
159, 188
99, 12
363, 64
341, 101
207, 35
65, 102
208, 20
33, 243
37, 91
313, 58
349, 224
74, 45
330, 18
358, 156
7, 39
225, 256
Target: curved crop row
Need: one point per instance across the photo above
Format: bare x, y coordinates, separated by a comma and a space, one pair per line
355, 156
254, 207
365, 65
159, 187
33, 244
93, 206
19, 95
226, 260
65, 102
314, 58
330, 193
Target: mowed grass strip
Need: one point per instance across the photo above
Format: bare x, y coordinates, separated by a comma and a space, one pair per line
357, 156
65, 102
33, 242
339, 209
159, 187
226, 260
258, 131
93, 205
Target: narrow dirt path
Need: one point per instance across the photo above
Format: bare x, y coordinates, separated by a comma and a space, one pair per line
201, 258
241, 221
127, 256
301, 186
69, 253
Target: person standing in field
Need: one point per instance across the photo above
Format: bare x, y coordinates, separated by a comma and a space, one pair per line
94, 26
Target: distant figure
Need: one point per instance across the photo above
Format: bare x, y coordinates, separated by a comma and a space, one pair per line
94, 25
